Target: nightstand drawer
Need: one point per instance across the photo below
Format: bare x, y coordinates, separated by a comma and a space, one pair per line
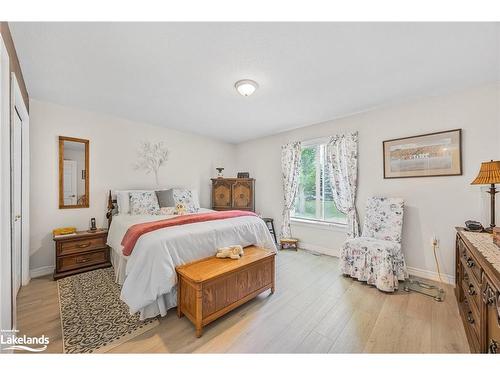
72, 262
81, 245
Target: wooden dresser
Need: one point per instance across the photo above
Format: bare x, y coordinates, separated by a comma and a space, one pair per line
233, 194
477, 272
81, 252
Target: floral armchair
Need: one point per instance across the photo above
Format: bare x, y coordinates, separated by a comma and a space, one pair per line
376, 256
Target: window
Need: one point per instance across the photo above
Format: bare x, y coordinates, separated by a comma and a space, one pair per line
314, 199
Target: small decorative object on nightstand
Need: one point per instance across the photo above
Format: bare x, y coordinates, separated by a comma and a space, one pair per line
81, 252
289, 244
93, 227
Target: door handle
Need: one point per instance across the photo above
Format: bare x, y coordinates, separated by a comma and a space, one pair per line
17, 217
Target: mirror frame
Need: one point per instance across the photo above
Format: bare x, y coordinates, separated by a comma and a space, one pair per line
61, 174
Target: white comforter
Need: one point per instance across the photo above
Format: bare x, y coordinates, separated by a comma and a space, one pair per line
150, 280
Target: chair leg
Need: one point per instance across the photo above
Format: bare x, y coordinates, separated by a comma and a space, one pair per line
274, 232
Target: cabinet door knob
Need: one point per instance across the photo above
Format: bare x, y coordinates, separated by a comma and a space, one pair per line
492, 347
470, 319
471, 290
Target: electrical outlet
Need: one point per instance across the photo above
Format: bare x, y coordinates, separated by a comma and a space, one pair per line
434, 241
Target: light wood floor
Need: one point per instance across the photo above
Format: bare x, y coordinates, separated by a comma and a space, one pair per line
314, 309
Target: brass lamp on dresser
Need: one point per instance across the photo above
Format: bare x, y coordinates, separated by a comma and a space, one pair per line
477, 289
81, 252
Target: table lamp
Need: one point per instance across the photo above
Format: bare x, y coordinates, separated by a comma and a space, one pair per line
489, 174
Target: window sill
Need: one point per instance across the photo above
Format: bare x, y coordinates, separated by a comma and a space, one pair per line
319, 224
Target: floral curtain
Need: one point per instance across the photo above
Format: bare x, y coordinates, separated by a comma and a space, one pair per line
342, 160
290, 163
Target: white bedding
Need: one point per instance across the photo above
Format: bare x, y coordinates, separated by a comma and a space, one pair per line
148, 274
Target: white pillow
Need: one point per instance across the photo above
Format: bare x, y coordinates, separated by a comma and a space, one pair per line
123, 200
144, 203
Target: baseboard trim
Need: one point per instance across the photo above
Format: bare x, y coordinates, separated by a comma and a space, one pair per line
319, 249
41, 271
431, 275
418, 272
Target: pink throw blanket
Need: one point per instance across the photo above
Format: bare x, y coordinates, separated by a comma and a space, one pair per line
137, 230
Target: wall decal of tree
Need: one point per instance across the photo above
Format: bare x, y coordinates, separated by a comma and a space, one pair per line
151, 157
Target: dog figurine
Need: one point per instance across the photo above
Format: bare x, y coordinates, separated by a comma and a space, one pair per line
233, 252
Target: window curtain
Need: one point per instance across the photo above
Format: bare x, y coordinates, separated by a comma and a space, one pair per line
342, 160
290, 164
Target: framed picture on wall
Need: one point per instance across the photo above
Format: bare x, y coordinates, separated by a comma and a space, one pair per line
426, 155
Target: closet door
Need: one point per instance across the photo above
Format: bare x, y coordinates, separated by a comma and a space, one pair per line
16, 193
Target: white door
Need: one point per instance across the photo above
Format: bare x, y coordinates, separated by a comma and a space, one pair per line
17, 144
70, 189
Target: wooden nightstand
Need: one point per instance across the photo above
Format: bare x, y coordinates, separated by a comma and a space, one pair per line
81, 252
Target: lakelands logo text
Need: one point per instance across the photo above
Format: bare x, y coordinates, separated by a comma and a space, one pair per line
10, 341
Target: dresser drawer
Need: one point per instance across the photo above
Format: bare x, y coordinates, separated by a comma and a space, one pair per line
81, 245
471, 324
72, 262
471, 266
471, 289
491, 299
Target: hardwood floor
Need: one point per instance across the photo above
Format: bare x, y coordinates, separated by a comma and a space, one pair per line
314, 310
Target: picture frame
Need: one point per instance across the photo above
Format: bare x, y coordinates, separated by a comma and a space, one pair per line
243, 175
425, 155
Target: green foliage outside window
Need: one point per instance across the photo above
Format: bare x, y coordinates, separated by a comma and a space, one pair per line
314, 199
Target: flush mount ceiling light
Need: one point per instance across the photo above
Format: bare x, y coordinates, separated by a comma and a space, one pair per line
246, 87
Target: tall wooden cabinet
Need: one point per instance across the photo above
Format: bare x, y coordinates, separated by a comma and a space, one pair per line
477, 290
233, 194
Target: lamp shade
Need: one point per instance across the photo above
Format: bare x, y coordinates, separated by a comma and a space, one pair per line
488, 174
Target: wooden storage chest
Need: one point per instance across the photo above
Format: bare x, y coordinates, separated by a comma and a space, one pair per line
211, 287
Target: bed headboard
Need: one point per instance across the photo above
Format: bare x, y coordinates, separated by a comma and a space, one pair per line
111, 207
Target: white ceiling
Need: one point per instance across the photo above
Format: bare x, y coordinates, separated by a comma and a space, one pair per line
181, 75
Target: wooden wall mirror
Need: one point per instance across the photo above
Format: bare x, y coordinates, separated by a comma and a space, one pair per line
73, 172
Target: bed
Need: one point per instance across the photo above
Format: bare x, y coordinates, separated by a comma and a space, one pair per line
147, 275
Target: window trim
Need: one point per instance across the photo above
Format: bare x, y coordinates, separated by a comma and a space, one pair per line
319, 223
310, 221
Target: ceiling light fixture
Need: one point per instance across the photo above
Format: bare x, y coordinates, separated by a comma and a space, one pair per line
246, 87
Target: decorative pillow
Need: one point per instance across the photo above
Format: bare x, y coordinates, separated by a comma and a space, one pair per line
144, 203
173, 197
164, 198
123, 200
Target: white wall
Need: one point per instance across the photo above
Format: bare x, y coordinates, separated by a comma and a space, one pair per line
113, 145
433, 205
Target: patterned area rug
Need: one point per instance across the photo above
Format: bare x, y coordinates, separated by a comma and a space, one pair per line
93, 318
